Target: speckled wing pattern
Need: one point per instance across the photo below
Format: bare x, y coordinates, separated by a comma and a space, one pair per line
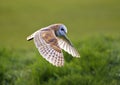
47, 45
68, 47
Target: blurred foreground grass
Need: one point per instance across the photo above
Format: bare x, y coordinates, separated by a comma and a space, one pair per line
99, 65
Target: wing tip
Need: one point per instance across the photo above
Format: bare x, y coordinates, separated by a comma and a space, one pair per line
30, 37
77, 56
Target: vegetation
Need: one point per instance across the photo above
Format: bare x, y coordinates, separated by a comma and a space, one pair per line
99, 65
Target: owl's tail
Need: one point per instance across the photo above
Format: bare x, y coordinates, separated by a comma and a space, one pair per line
30, 37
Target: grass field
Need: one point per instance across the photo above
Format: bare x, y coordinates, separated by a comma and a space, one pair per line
93, 26
99, 65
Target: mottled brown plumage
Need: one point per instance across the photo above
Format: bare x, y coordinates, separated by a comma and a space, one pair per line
50, 38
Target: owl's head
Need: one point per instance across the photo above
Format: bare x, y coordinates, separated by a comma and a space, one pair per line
61, 31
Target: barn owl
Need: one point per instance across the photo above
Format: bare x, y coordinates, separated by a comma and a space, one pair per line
50, 41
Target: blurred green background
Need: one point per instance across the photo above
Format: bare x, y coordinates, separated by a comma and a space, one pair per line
93, 27
83, 18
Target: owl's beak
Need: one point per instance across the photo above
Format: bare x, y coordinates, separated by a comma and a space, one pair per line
66, 39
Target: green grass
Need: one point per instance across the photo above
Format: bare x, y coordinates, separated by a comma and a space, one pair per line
99, 65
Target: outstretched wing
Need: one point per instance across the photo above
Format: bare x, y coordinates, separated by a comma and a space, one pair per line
47, 45
65, 44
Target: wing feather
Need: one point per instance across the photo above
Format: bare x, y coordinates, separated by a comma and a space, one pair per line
64, 44
48, 48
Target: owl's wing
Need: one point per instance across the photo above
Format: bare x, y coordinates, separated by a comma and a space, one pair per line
65, 44
47, 45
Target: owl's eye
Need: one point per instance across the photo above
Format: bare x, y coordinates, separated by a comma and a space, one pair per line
62, 29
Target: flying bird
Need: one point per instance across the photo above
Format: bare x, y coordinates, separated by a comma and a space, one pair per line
50, 41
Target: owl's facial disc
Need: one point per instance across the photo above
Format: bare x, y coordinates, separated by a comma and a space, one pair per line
62, 30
